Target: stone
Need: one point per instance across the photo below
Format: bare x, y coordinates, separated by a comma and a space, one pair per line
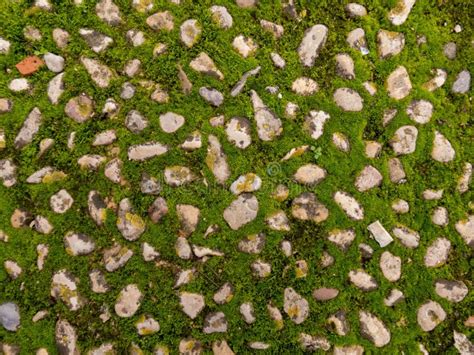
325, 294
306, 207
245, 46
400, 12
216, 160
193, 141
430, 315
113, 171
111, 108
420, 111
370, 87
277, 60
391, 266
345, 66
145, 151
465, 228
239, 86
339, 323
60, 37
192, 304
398, 83
220, 347
135, 121
261, 269
108, 12
379, 233
221, 16
45, 175
312, 43
100, 74
40, 315
29, 65
348, 350
224, 294
341, 142
453, 291
440, 76
366, 251
29, 129
8, 172
91, 162
348, 100
395, 296
42, 225
66, 338
19, 85
349, 205
437, 253
465, 179
106, 348
246, 183
356, 39
128, 91
142, 5
404, 140
205, 65
449, 50
159, 94
269, 126
273, 28
312, 343
373, 329
158, 209
362, 280
246, 3
252, 244
368, 178
462, 343
400, 206
190, 346
389, 43
170, 122
314, 123
32, 34
98, 281
248, 313
442, 151
343, 238
10, 316
407, 236
6, 105
275, 315
116, 256
105, 138
129, 224
64, 288
304, 86
78, 244
295, 306
147, 325
178, 175
80, 108
13, 269
440, 216
241, 211
54, 62
396, 172
238, 130
132, 67
215, 323
190, 31
310, 174
20, 218
56, 88
128, 301
149, 253
462, 83
258, 345
280, 193
97, 41
212, 96
355, 10
4, 46
202, 252
135, 37
188, 217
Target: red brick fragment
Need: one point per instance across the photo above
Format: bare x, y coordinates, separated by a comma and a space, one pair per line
29, 65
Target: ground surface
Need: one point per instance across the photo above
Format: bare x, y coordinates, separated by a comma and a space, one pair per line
94, 317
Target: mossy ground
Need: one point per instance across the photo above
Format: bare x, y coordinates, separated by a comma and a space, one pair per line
452, 116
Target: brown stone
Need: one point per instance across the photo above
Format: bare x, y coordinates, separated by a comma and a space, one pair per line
325, 294
29, 65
